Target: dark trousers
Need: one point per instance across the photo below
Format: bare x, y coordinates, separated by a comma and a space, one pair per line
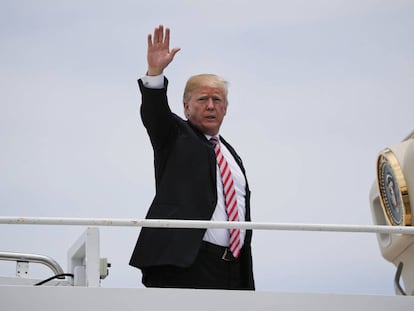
209, 271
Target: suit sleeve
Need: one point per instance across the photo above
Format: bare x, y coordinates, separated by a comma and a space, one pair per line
156, 114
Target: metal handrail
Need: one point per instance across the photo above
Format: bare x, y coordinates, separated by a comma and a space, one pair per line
25, 257
163, 223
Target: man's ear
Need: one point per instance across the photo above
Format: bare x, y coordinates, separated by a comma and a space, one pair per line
185, 109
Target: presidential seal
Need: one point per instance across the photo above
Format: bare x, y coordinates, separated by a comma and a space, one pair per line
393, 189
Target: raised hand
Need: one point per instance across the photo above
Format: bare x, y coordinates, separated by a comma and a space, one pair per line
159, 55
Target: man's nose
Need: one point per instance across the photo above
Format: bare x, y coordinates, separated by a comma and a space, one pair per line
210, 103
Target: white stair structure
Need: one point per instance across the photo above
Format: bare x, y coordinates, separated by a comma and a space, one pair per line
82, 291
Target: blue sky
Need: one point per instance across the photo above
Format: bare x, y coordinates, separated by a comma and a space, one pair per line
317, 89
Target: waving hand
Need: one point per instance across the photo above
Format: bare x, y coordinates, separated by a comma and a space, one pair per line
159, 55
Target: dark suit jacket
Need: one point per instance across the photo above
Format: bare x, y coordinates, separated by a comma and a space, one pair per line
185, 181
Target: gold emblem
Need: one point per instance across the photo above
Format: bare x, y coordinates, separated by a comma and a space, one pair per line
393, 189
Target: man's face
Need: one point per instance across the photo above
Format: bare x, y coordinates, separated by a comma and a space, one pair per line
206, 109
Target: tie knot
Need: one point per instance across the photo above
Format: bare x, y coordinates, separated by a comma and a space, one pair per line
214, 140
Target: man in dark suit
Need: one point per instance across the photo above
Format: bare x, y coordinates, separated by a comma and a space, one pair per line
189, 184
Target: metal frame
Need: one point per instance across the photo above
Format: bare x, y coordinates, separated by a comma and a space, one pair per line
32, 258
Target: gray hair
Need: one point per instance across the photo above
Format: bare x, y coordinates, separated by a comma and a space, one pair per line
205, 79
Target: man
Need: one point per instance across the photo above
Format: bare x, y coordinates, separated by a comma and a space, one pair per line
189, 184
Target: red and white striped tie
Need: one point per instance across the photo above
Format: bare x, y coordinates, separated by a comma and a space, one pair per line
229, 196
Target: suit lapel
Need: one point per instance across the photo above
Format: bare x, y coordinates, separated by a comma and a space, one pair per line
234, 154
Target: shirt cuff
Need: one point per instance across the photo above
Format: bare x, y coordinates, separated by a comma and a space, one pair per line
153, 82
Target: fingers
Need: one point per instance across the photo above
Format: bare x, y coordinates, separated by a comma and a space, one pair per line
159, 34
158, 37
174, 51
149, 40
167, 36
159, 47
